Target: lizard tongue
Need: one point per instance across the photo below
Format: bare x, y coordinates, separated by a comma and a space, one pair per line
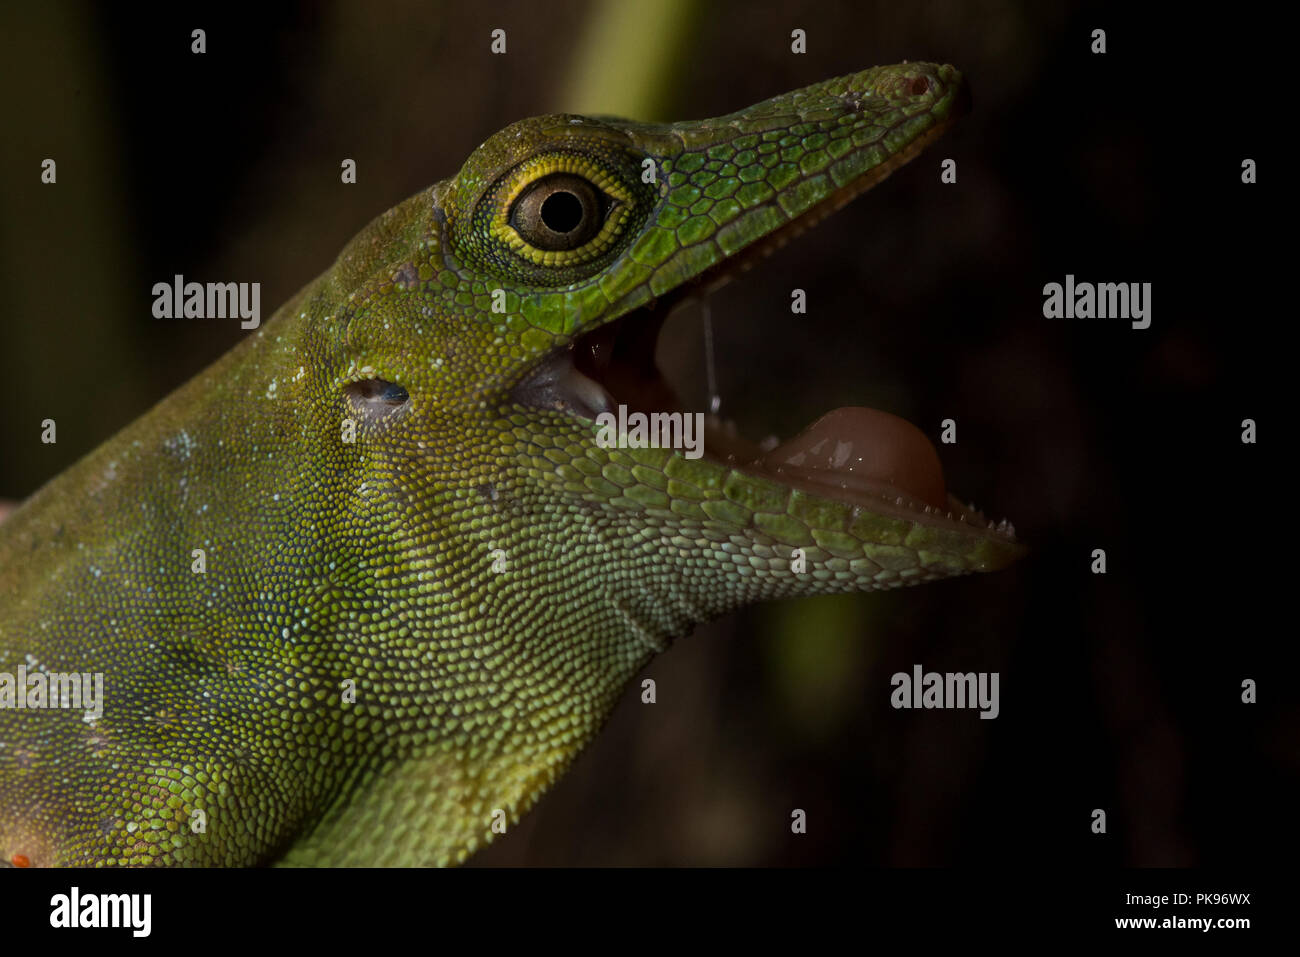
863, 450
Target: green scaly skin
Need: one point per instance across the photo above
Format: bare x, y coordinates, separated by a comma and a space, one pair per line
379, 561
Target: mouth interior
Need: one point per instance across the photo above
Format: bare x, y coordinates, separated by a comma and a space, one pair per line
861, 456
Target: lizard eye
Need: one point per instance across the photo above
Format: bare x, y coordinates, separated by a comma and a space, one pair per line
560, 211
560, 215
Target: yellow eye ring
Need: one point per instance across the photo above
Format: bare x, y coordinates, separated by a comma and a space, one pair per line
603, 204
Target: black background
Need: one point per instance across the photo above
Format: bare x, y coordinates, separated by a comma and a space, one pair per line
1119, 692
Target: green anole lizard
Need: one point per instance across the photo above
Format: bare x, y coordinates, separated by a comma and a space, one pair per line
371, 581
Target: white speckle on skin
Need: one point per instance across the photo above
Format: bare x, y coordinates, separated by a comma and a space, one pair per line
108, 477
181, 444
270, 389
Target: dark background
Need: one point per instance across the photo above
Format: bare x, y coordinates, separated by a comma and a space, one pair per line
1119, 692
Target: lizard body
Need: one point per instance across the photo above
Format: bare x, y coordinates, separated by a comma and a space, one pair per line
370, 580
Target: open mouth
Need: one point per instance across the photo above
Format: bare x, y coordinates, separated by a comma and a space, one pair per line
860, 456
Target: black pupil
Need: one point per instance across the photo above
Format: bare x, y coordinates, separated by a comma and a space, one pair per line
561, 212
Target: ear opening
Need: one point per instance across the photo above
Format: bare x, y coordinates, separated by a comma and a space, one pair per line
376, 398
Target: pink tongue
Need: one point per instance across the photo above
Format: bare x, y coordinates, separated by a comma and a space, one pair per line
867, 444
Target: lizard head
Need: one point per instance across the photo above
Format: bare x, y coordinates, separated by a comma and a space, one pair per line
543, 273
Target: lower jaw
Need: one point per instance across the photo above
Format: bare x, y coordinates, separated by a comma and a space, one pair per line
723, 445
